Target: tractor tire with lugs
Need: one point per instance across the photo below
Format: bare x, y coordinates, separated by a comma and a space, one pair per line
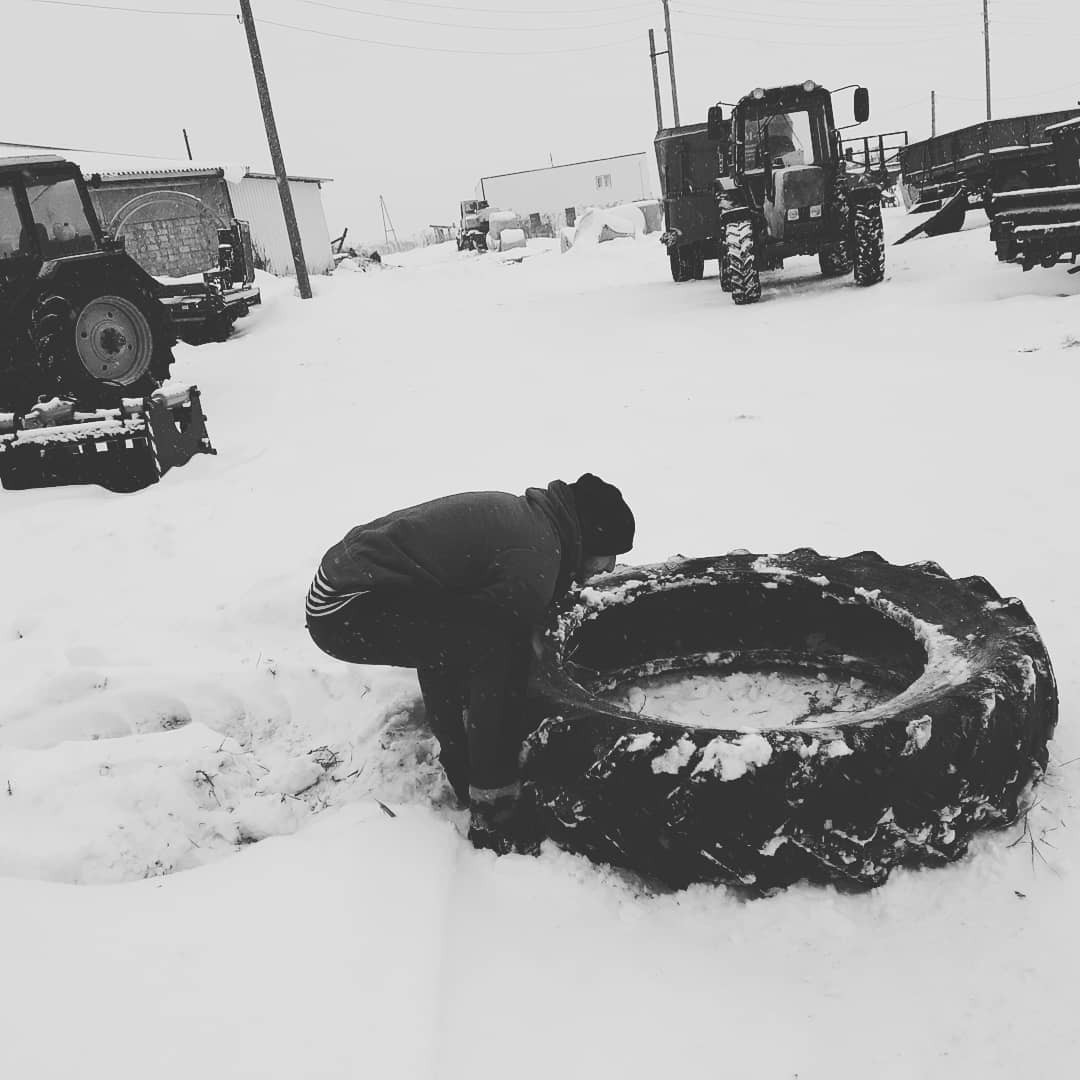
742, 265
834, 260
869, 245
967, 702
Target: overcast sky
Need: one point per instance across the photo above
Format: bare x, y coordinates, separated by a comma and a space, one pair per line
416, 101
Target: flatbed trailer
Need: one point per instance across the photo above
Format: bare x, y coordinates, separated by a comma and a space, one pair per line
986, 158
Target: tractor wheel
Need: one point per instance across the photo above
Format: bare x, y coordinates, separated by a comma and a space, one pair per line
101, 346
742, 266
963, 701
834, 260
869, 245
725, 269
679, 259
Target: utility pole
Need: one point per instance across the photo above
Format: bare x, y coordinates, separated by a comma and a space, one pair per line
671, 62
655, 80
388, 225
933, 113
275, 153
187, 144
986, 42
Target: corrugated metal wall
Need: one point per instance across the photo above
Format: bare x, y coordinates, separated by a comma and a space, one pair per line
255, 200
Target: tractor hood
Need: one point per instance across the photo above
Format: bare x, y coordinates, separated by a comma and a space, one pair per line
795, 205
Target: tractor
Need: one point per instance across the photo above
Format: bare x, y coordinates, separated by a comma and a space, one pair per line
474, 226
786, 189
85, 344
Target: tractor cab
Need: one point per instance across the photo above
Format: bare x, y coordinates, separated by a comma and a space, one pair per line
44, 211
785, 151
787, 191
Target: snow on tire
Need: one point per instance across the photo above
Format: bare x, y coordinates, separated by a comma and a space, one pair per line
966, 703
742, 268
869, 245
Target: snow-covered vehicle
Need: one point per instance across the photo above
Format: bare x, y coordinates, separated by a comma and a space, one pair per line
788, 191
1041, 226
85, 346
206, 309
473, 226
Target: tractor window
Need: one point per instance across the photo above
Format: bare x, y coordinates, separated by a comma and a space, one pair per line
60, 219
10, 225
785, 136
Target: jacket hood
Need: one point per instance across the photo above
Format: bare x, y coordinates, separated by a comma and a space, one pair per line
557, 502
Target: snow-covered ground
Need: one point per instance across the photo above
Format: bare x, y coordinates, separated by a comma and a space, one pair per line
163, 709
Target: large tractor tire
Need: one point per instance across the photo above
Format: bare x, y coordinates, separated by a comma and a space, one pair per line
963, 704
834, 260
743, 273
101, 343
869, 245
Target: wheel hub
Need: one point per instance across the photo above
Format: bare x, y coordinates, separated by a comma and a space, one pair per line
113, 340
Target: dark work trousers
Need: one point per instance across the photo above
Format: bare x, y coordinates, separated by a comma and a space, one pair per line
468, 656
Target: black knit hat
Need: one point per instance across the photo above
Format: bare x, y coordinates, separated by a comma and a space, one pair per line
607, 524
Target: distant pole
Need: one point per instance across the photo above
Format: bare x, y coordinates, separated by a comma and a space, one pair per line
186, 143
551, 158
388, 225
671, 62
986, 42
655, 80
275, 153
933, 113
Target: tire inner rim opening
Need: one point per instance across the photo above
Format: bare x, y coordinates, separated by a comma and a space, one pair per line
748, 699
744, 654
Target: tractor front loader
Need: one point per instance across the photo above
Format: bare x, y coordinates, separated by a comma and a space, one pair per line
85, 345
787, 190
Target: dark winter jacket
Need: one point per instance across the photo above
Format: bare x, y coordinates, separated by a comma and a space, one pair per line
518, 552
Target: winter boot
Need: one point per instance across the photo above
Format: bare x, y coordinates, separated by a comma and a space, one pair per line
504, 820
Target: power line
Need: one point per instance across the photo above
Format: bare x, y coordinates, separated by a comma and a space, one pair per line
467, 26
433, 48
525, 11
736, 15
130, 10
891, 43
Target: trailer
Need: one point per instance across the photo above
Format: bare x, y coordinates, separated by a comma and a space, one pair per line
1041, 226
984, 159
689, 163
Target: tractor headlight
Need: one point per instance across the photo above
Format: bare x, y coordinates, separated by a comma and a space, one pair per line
758, 92
793, 215
815, 211
809, 85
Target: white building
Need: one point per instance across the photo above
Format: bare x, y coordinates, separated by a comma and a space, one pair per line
557, 195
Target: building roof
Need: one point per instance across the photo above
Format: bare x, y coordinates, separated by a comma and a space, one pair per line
138, 167
567, 165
